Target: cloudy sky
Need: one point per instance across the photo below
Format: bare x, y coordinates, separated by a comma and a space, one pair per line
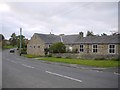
58, 17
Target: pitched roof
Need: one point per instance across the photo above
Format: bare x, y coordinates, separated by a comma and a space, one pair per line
49, 38
74, 39
99, 39
69, 38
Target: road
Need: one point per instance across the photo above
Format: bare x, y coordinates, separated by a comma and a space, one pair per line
21, 72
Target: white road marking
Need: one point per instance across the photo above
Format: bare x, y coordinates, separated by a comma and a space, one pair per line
116, 73
27, 66
13, 61
64, 76
99, 71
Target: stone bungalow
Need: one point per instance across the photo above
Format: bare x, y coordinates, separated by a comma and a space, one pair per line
87, 47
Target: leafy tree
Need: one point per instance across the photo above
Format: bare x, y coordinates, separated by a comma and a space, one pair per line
1, 37
104, 34
58, 47
13, 39
46, 50
90, 33
22, 41
2, 42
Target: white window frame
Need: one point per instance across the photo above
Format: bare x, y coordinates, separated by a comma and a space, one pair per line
81, 48
112, 48
71, 48
94, 48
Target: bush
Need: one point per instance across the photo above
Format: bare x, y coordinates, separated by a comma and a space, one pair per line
102, 58
23, 52
58, 57
75, 50
46, 50
116, 59
68, 57
50, 55
58, 47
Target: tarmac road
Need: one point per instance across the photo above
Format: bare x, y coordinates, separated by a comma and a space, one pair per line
21, 72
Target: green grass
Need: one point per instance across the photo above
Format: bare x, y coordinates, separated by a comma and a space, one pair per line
8, 47
97, 63
30, 56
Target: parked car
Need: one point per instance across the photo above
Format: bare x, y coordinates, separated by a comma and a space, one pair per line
12, 50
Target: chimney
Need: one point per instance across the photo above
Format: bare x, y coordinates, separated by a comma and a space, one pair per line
81, 34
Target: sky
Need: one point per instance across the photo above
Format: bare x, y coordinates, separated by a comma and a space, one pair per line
58, 17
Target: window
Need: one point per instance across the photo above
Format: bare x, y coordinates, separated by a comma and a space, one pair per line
95, 48
38, 46
30, 46
34, 46
70, 48
111, 48
81, 48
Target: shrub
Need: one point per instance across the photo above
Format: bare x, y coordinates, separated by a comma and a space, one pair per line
50, 55
46, 50
102, 58
58, 47
68, 57
58, 57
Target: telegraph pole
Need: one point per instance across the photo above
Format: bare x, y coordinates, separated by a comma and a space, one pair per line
20, 40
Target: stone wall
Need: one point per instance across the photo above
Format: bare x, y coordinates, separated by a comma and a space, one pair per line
86, 56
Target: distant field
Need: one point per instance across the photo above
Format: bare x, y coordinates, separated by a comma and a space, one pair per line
96, 63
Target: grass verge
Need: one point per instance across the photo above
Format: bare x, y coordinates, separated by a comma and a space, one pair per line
96, 63
30, 56
8, 47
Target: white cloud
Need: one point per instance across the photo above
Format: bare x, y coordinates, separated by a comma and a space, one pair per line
4, 7
63, 17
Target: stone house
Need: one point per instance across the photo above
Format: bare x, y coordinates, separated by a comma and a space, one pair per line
87, 47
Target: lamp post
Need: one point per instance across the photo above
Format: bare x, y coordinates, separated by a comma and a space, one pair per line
20, 40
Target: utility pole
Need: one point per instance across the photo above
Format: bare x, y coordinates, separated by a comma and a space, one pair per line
20, 40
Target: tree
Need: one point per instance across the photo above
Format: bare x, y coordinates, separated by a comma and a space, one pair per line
90, 33
1, 37
13, 39
58, 47
104, 34
46, 50
2, 42
22, 41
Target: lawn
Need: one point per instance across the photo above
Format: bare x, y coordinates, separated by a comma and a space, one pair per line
30, 56
8, 47
96, 63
